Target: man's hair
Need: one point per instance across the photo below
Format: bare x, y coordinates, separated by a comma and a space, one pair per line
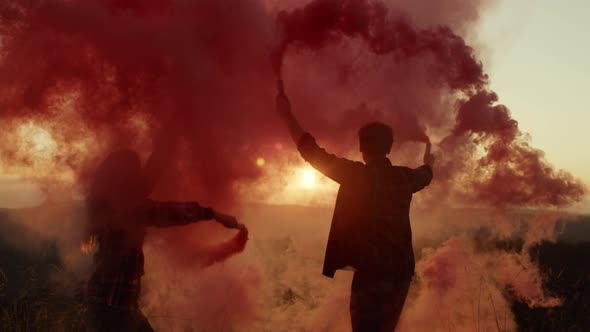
376, 138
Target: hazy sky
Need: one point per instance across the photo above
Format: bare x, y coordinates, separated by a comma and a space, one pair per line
537, 53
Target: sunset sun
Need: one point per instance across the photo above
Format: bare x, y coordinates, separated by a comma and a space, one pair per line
308, 178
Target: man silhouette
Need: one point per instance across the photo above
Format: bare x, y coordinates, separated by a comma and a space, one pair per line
119, 213
370, 230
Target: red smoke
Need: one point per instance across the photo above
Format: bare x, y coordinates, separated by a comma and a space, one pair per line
322, 21
509, 172
193, 253
132, 69
195, 73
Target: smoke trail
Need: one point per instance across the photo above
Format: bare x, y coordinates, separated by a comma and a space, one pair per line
116, 73
119, 72
507, 158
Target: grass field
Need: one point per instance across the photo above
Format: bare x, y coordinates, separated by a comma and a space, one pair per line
37, 293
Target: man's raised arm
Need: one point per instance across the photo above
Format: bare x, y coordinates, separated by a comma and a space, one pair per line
338, 169
428, 156
284, 109
422, 175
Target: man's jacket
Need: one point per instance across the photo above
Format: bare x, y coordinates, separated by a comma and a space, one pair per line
371, 225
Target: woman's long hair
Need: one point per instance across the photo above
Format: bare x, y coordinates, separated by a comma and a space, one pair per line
118, 184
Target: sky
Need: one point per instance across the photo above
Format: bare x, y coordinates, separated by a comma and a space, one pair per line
537, 55
538, 61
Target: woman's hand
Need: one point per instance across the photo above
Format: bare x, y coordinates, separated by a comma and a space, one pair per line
228, 220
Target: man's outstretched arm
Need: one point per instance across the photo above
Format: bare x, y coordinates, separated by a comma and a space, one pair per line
338, 169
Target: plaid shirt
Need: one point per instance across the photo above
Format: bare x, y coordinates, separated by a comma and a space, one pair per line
118, 263
371, 224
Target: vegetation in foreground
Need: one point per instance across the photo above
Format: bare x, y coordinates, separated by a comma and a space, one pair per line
36, 294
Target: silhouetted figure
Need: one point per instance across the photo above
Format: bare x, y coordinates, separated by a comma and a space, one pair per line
119, 213
370, 230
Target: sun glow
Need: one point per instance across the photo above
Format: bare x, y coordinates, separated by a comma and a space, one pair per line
260, 162
36, 141
38, 155
288, 181
308, 178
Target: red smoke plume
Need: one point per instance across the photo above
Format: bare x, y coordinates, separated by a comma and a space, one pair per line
121, 72
101, 74
509, 171
322, 21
